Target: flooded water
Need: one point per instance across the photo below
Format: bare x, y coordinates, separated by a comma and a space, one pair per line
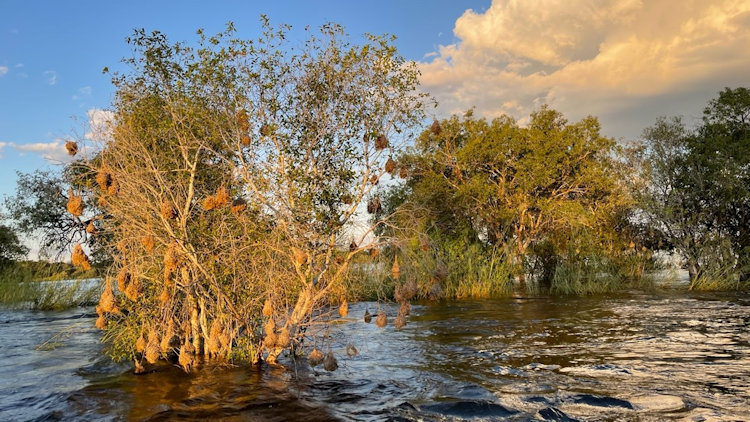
640, 356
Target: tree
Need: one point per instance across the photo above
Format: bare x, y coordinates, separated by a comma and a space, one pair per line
695, 188
11, 248
233, 177
549, 188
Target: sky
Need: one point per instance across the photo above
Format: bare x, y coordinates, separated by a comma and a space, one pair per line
624, 61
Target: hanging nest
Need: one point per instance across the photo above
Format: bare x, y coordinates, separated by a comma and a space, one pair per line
209, 203
265, 129
400, 321
79, 258
152, 347
315, 357
395, 268
353, 246
167, 210
172, 258
381, 142
222, 197
435, 128
213, 346
283, 339
107, 301
245, 140
243, 122
186, 358
103, 179
123, 278
90, 228
404, 309
390, 165
140, 344
166, 340
374, 205
101, 322
138, 368
133, 290
148, 242
436, 291
75, 203
270, 330
367, 317
239, 206
72, 147
382, 320
329, 362
403, 172
267, 308
351, 351
300, 257
406, 291
344, 309
113, 188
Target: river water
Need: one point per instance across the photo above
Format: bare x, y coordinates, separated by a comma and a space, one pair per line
637, 356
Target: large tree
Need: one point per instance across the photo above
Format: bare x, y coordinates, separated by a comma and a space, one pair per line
695, 188
551, 187
231, 182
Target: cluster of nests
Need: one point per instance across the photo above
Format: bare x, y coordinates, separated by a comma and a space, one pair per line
222, 199
403, 294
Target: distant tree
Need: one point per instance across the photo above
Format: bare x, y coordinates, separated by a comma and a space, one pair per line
11, 248
695, 188
39, 210
550, 189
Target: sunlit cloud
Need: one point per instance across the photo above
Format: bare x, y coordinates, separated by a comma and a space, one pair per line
51, 77
100, 125
53, 151
588, 56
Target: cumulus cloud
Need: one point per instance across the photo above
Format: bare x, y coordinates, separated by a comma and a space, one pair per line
53, 151
3, 70
100, 124
589, 56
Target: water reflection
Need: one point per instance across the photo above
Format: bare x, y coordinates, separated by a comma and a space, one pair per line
635, 357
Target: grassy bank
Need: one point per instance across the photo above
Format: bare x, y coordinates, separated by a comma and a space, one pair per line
46, 286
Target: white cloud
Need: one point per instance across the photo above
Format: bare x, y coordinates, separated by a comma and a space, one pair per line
588, 56
100, 124
82, 92
51, 77
3, 70
53, 151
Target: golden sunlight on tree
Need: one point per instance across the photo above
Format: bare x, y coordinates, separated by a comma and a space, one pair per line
233, 174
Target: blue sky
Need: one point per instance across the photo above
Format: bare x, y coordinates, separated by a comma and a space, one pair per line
625, 61
52, 53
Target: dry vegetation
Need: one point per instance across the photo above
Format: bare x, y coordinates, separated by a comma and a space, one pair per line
230, 189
